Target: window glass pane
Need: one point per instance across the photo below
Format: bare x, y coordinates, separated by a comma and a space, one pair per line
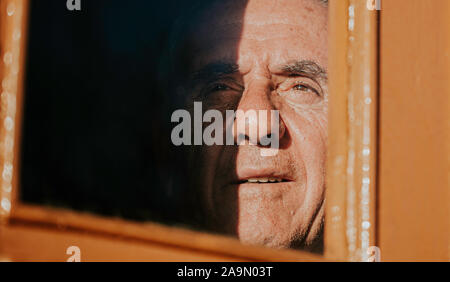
130, 108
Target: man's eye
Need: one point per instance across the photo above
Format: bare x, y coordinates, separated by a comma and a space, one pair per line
305, 88
219, 87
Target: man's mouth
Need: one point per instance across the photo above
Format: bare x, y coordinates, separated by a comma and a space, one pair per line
263, 180
261, 176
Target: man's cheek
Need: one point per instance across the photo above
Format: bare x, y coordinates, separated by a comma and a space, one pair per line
322, 124
304, 125
314, 125
309, 134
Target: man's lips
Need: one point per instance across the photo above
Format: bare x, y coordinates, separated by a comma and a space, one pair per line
261, 176
262, 180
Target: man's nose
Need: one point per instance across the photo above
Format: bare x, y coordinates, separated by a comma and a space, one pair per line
257, 118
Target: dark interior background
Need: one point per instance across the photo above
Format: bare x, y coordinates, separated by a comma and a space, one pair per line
94, 132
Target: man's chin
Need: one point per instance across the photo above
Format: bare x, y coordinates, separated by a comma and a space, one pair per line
313, 242
270, 236
265, 243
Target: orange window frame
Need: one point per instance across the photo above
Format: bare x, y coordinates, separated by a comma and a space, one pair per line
361, 203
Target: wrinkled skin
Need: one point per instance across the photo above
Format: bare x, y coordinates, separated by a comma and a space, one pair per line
262, 38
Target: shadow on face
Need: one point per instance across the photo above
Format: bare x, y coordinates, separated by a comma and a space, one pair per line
263, 56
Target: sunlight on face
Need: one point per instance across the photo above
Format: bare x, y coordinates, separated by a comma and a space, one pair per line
264, 55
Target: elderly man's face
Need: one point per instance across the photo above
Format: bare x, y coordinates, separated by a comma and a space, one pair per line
263, 55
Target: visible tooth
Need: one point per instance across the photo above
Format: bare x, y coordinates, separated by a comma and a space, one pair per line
264, 180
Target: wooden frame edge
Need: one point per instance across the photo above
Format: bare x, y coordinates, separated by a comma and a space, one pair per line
353, 118
126, 230
13, 23
350, 220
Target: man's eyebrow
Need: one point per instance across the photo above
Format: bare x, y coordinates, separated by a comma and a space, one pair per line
214, 71
305, 67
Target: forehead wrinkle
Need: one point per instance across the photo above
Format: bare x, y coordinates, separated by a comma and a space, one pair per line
283, 19
281, 11
215, 35
215, 70
271, 31
275, 14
